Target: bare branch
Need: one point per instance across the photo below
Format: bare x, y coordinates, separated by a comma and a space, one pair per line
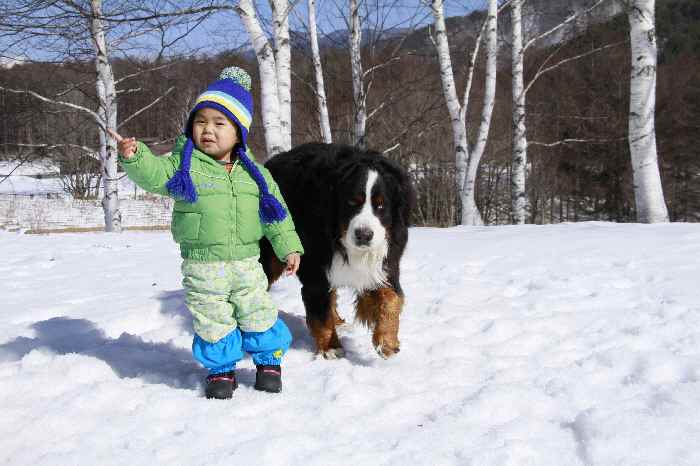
120, 18
138, 112
573, 140
140, 72
542, 70
94, 115
568, 20
392, 148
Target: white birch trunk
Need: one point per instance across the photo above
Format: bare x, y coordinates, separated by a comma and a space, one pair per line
648, 191
519, 155
270, 108
470, 213
106, 93
283, 62
466, 166
324, 120
358, 88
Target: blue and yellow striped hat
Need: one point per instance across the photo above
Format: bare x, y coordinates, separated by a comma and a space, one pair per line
230, 95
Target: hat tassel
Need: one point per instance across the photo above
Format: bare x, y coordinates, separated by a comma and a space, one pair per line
271, 210
181, 186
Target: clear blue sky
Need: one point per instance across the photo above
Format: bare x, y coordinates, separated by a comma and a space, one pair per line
223, 30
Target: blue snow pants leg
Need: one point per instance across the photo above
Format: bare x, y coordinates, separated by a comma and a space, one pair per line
220, 356
266, 348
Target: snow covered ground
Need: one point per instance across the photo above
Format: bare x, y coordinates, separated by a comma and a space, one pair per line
573, 344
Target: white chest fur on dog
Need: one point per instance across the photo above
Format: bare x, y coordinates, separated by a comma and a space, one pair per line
364, 268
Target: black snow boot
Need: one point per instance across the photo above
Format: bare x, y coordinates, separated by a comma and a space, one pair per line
221, 386
268, 379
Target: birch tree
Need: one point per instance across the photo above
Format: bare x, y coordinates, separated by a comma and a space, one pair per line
106, 114
269, 98
274, 65
381, 50
467, 159
283, 66
324, 120
359, 95
106, 94
519, 156
519, 164
79, 30
648, 191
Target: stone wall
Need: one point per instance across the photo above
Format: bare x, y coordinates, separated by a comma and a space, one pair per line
42, 213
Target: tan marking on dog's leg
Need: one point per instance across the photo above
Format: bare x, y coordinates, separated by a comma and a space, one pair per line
380, 310
327, 342
277, 268
334, 310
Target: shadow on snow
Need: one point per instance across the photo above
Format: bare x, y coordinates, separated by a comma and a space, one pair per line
129, 355
132, 357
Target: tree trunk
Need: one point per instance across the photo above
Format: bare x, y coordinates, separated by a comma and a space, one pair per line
283, 62
269, 97
466, 162
324, 120
459, 131
107, 94
472, 216
648, 191
359, 138
519, 155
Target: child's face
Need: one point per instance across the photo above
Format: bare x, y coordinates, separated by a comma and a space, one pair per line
214, 134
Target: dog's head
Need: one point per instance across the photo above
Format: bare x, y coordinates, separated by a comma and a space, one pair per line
373, 196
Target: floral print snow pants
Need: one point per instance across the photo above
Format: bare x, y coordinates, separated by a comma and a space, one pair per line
223, 296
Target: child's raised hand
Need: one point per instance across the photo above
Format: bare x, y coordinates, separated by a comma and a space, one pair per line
125, 146
293, 261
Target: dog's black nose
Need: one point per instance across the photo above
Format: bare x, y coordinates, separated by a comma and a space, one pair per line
363, 236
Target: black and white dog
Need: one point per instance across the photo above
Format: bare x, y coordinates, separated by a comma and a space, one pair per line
351, 209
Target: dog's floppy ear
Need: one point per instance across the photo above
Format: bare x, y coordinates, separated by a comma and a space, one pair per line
403, 194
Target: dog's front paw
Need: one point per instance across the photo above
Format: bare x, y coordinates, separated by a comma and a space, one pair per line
386, 351
333, 353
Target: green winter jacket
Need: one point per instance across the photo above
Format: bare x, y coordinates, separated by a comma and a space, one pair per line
224, 223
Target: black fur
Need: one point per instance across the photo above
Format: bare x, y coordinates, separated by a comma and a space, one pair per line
319, 183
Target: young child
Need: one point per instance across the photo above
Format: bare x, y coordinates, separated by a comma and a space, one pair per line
225, 203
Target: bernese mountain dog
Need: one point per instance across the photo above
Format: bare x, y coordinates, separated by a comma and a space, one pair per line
351, 209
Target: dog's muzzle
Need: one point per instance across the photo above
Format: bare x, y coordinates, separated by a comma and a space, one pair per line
363, 236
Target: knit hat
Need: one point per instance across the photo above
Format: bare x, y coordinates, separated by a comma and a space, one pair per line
230, 95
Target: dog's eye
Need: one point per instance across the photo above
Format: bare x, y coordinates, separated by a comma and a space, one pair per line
357, 200
378, 202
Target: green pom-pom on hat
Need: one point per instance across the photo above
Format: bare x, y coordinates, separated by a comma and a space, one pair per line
238, 75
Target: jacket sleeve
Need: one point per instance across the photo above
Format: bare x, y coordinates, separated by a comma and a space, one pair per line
282, 235
148, 171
